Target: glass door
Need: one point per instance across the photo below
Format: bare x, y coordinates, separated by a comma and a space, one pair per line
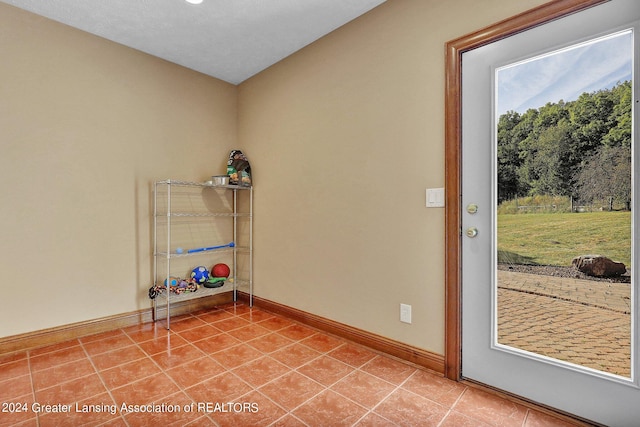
563, 204
549, 287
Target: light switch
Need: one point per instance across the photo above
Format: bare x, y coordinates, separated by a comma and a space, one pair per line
435, 197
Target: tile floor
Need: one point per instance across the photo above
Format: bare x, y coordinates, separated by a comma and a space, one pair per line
236, 366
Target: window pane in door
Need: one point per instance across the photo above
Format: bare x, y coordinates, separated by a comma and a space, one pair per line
564, 200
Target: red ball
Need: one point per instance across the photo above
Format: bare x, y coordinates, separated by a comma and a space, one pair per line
220, 270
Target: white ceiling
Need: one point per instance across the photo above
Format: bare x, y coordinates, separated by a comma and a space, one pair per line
228, 39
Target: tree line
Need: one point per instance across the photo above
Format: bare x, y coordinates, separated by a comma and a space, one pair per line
579, 149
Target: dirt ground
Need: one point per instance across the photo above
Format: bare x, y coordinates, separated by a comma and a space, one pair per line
568, 272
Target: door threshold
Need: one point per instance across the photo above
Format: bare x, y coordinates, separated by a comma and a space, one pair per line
554, 412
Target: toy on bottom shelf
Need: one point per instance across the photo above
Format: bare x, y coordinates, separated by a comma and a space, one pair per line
173, 281
200, 274
185, 286
214, 282
219, 272
180, 287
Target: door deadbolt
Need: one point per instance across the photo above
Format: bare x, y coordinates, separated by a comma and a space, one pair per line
472, 232
472, 208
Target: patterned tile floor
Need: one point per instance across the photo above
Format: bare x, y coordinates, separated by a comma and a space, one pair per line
579, 321
236, 366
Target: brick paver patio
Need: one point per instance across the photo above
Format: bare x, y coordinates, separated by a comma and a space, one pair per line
579, 321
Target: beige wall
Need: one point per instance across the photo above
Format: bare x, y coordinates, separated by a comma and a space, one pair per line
85, 126
343, 136
348, 133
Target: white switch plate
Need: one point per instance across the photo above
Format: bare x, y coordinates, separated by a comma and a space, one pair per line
405, 313
435, 197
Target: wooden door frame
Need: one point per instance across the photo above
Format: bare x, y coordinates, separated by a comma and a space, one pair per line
453, 156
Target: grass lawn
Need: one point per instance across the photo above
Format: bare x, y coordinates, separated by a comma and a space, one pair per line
556, 238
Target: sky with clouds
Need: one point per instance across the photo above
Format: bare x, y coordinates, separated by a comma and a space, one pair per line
565, 74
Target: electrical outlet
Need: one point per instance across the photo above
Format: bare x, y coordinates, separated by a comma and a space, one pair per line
405, 313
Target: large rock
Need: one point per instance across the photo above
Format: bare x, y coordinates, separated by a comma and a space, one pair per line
598, 265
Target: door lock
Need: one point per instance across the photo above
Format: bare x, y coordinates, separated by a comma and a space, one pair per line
472, 232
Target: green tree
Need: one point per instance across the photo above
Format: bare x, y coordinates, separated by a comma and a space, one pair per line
620, 130
546, 152
606, 176
554, 149
550, 166
591, 114
508, 156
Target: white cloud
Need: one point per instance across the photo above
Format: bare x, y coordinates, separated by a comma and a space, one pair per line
565, 74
